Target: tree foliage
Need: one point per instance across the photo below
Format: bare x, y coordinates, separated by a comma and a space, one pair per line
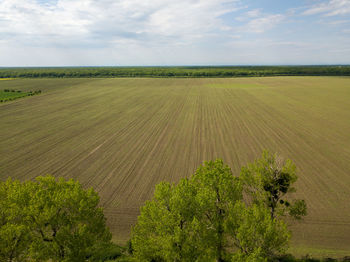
164, 228
50, 219
257, 236
269, 180
204, 218
14, 224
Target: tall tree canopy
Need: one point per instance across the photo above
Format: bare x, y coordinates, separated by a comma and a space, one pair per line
50, 219
204, 218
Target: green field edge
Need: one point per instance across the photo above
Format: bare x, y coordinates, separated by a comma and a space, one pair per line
15, 95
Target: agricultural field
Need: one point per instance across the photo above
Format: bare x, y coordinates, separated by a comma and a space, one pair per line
123, 136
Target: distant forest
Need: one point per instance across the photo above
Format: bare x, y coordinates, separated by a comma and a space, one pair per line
184, 71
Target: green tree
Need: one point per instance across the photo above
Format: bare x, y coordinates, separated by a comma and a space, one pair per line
257, 236
164, 231
52, 219
218, 191
269, 180
15, 234
204, 218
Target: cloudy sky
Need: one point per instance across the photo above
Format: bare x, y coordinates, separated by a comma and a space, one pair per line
173, 32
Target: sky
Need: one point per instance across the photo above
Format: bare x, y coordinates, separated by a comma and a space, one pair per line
174, 32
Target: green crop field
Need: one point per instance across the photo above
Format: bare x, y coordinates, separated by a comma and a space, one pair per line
123, 136
11, 94
8, 96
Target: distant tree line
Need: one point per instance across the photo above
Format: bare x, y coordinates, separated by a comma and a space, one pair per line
195, 71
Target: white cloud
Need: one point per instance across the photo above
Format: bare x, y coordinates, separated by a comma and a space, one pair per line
257, 21
164, 32
69, 22
330, 8
254, 13
264, 23
335, 22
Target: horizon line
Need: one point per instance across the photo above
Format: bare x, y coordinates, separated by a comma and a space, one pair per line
194, 65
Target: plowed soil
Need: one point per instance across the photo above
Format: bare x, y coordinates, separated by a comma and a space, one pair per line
123, 136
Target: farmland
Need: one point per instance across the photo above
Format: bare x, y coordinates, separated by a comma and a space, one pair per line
123, 136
